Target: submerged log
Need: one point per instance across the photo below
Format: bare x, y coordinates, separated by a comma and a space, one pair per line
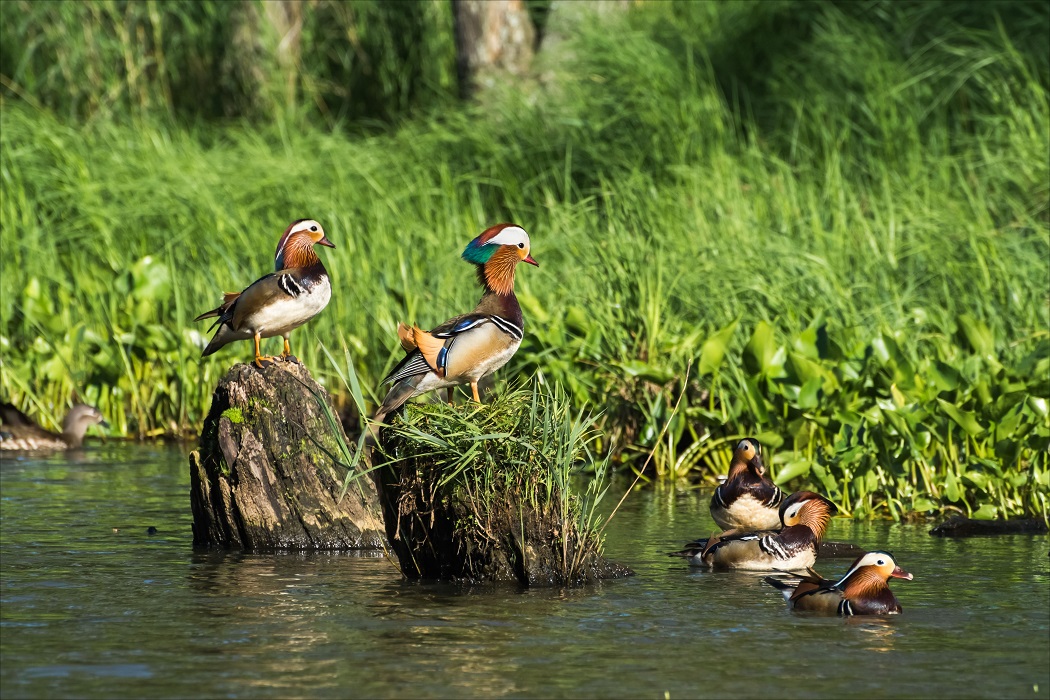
265, 478
960, 526
471, 494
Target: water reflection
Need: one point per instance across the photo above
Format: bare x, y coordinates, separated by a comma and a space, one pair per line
87, 612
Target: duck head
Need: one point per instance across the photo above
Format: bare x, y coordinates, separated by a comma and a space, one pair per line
747, 455
296, 247
870, 574
809, 509
880, 564
497, 252
78, 420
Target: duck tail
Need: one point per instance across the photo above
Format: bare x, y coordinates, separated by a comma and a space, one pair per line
785, 588
221, 338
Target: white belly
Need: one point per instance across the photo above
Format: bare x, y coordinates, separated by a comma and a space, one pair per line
283, 316
748, 514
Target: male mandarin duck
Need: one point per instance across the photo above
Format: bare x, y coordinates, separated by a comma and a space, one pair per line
804, 515
18, 432
466, 348
280, 302
864, 590
748, 500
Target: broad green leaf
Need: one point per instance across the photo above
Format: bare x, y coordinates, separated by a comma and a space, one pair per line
792, 470
951, 488
943, 375
761, 349
979, 480
714, 349
809, 341
965, 419
1038, 404
644, 370
978, 335
986, 512
923, 504
898, 398
807, 397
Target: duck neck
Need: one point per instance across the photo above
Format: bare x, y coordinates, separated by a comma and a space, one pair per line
297, 253
496, 303
73, 435
865, 582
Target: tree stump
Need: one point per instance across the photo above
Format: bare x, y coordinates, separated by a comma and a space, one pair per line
481, 493
266, 477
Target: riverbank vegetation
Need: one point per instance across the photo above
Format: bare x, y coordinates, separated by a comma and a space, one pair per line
835, 214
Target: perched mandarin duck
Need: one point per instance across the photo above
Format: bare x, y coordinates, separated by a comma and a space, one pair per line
280, 302
18, 432
466, 348
804, 515
748, 500
864, 590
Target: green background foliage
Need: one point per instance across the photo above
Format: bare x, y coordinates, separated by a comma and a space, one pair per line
833, 214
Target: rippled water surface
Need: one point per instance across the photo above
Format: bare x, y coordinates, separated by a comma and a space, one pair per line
93, 606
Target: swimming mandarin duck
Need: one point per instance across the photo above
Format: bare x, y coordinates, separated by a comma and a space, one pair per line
280, 302
467, 348
864, 590
18, 432
748, 500
804, 515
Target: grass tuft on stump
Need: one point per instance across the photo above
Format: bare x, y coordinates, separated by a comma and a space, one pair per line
486, 492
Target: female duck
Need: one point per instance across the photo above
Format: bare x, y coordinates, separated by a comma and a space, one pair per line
467, 348
805, 516
18, 432
864, 590
748, 500
280, 302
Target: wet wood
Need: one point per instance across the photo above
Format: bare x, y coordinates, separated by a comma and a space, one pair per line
960, 526
264, 477
839, 550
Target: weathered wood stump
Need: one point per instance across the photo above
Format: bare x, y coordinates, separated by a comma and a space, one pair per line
265, 476
479, 493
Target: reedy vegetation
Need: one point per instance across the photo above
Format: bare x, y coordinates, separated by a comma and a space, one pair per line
842, 223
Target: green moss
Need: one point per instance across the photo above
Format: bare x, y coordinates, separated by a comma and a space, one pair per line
234, 415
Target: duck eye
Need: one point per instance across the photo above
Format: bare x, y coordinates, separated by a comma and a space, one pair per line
881, 562
521, 245
313, 228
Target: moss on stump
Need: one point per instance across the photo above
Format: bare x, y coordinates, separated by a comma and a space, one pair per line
264, 477
477, 493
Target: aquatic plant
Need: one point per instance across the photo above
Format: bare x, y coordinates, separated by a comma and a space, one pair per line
488, 491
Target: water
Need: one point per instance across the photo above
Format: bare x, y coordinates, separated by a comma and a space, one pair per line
89, 612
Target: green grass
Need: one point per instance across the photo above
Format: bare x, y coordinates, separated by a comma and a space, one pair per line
844, 228
500, 477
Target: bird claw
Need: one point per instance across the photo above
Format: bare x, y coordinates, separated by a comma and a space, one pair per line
291, 358
262, 362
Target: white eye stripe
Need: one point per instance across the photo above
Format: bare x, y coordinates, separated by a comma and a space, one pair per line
305, 226
512, 235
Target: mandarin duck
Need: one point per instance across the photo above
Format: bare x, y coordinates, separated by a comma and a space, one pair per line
466, 348
280, 302
747, 500
804, 516
18, 432
864, 590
